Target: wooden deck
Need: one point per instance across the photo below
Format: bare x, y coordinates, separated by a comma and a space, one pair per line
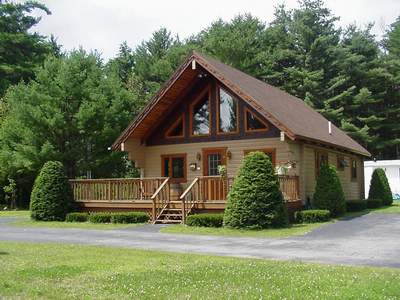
153, 195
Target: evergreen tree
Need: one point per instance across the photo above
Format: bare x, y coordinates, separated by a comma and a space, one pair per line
21, 50
255, 200
51, 197
379, 187
72, 112
328, 192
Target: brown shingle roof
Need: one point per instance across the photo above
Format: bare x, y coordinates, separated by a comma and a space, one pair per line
288, 113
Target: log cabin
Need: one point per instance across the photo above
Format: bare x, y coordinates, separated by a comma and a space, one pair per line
208, 115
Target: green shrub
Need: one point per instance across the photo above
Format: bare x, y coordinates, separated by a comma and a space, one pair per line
205, 220
51, 197
356, 205
312, 216
255, 200
374, 203
379, 187
328, 192
129, 217
77, 217
100, 217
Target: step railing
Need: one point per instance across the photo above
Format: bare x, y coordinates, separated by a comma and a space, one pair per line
115, 189
189, 197
160, 198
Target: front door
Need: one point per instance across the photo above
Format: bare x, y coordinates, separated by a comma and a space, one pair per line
212, 158
213, 188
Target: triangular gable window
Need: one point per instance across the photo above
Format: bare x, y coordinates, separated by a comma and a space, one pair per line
176, 129
254, 123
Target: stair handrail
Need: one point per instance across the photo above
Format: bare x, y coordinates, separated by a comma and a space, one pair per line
157, 210
185, 208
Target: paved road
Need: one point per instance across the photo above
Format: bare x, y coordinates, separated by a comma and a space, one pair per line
372, 239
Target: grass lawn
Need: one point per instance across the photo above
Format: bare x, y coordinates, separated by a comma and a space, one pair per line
83, 225
14, 213
393, 209
50, 271
294, 229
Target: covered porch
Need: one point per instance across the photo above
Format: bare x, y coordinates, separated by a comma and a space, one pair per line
160, 199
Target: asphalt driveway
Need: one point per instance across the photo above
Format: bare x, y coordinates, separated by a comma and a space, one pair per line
371, 239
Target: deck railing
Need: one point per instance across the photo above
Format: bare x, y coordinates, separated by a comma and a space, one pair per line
160, 198
216, 188
115, 189
289, 186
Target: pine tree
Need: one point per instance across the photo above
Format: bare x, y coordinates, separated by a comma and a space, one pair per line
21, 51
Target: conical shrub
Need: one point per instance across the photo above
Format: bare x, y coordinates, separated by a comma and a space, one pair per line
380, 188
255, 200
51, 197
328, 192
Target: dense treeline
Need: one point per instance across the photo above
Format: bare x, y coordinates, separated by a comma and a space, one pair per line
71, 106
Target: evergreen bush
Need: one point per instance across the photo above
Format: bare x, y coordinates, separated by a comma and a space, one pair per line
374, 203
51, 197
356, 205
255, 200
129, 217
77, 217
205, 220
100, 217
328, 192
312, 216
379, 187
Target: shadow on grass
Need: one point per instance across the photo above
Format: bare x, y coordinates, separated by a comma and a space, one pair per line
4, 253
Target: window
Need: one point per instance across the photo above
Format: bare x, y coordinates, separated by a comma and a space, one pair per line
321, 159
228, 112
174, 166
271, 153
341, 163
200, 115
254, 123
353, 169
176, 129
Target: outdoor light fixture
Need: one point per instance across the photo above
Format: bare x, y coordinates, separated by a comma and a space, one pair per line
229, 154
198, 156
193, 167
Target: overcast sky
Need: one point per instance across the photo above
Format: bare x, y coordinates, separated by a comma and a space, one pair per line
104, 24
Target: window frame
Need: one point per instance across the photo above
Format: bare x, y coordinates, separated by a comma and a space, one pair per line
218, 94
265, 150
173, 125
248, 111
318, 154
353, 178
170, 157
206, 91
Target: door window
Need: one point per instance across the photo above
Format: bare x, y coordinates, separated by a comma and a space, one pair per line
214, 160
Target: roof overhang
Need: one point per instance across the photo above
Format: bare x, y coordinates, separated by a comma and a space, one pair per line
177, 85
166, 96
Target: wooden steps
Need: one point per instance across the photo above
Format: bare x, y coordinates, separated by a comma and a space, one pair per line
171, 214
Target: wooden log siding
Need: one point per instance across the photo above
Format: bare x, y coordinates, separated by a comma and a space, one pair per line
118, 189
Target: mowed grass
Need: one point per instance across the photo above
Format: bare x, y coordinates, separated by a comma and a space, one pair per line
81, 225
393, 209
25, 221
292, 230
51, 271
14, 213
